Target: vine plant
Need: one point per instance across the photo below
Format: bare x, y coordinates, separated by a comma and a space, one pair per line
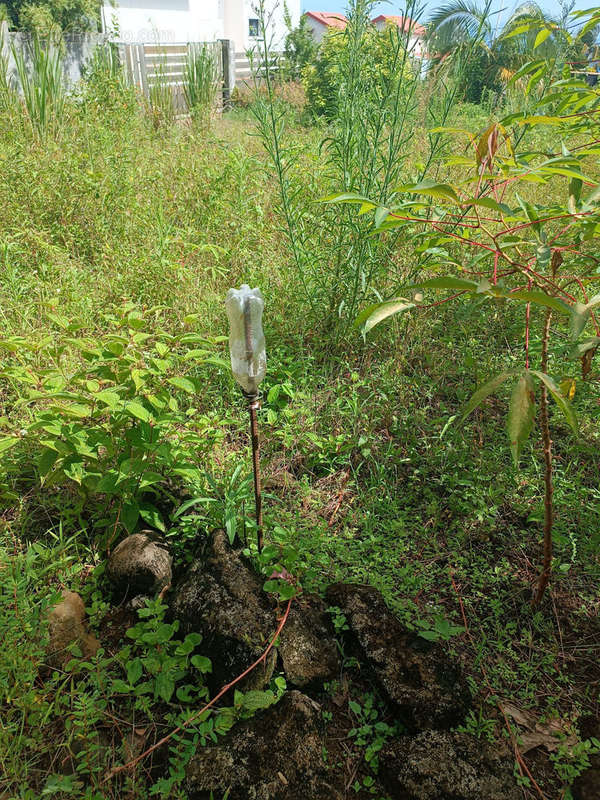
503, 243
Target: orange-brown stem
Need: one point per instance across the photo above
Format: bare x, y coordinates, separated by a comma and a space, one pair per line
549, 489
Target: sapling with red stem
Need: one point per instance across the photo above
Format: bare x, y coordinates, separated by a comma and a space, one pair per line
513, 252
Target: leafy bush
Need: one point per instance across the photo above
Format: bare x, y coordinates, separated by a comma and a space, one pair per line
327, 74
113, 420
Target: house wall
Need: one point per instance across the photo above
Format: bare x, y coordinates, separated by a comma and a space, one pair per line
318, 29
194, 21
165, 20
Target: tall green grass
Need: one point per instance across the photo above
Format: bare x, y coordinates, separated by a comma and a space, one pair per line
42, 83
201, 80
373, 131
161, 98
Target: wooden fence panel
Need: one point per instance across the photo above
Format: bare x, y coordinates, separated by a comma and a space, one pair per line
157, 67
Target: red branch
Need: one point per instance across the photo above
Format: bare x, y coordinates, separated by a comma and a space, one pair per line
224, 690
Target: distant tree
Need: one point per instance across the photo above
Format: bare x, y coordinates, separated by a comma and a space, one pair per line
496, 51
49, 16
300, 48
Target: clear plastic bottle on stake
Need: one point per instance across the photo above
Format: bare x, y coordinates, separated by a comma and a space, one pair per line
249, 365
246, 339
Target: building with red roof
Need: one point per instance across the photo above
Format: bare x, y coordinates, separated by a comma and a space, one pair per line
320, 22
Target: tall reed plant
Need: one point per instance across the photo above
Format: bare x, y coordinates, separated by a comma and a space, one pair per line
41, 80
161, 97
373, 118
201, 80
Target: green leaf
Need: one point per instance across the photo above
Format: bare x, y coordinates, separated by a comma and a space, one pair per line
581, 348
521, 414
202, 663
376, 313
134, 671
137, 410
485, 391
446, 282
255, 700
164, 686
540, 298
152, 516
561, 401
8, 442
183, 383
580, 315
45, 462
442, 191
130, 513
541, 37
111, 399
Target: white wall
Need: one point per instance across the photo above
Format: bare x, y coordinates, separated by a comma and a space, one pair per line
318, 29
165, 20
195, 20
276, 30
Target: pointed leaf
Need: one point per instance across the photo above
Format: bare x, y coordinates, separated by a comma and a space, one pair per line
441, 190
541, 37
374, 314
521, 413
561, 400
446, 282
579, 317
485, 391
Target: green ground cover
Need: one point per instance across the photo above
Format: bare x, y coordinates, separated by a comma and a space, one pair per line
120, 240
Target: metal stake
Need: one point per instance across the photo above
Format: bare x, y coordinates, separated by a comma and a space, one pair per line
253, 406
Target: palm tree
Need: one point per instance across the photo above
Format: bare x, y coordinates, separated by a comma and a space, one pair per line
467, 32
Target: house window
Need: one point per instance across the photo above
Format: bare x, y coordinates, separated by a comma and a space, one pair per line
253, 27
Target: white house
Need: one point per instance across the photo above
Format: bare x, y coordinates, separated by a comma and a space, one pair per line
319, 22
165, 21
416, 39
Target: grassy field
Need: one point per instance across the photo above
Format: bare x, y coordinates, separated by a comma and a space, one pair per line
366, 475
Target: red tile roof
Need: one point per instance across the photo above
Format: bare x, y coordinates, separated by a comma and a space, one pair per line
330, 19
404, 23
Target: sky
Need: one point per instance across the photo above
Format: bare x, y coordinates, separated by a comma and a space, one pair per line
395, 7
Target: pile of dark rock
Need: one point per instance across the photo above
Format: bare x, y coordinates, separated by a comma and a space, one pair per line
278, 753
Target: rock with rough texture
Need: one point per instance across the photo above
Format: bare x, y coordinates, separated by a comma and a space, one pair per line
307, 646
222, 599
587, 785
418, 677
66, 626
276, 755
139, 565
438, 765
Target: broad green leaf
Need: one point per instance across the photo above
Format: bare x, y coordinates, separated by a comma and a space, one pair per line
374, 314
428, 187
46, 461
183, 383
254, 700
111, 399
137, 410
521, 413
130, 513
152, 516
8, 442
202, 663
581, 348
580, 315
541, 37
164, 686
134, 671
485, 391
540, 298
561, 400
